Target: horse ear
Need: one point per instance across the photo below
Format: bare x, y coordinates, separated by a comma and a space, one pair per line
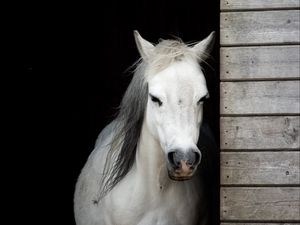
145, 47
204, 47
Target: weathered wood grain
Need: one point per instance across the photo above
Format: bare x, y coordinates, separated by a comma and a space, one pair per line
260, 168
275, 132
269, 62
258, 4
269, 204
269, 27
261, 97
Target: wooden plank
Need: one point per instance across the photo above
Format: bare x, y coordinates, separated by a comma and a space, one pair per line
258, 4
260, 168
270, 62
264, 97
275, 132
260, 204
269, 27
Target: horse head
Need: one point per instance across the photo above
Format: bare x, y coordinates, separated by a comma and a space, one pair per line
176, 92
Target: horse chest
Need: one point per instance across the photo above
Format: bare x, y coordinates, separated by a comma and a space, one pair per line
154, 208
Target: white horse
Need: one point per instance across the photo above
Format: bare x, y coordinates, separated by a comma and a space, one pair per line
143, 168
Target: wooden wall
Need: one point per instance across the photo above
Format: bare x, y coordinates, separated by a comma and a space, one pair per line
260, 112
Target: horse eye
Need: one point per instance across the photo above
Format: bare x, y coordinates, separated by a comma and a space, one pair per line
156, 100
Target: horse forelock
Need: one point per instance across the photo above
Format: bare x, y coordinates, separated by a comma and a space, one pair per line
167, 52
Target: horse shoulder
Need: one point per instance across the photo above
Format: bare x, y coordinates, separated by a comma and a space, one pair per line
87, 186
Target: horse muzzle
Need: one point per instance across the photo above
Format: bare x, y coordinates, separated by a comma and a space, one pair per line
182, 165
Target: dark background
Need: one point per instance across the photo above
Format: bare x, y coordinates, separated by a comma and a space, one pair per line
85, 50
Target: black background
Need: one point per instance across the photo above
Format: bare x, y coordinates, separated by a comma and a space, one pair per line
84, 50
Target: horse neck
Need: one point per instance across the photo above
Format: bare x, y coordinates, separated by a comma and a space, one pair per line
150, 160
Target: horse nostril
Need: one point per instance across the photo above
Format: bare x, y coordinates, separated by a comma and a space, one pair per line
193, 158
172, 159
197, 158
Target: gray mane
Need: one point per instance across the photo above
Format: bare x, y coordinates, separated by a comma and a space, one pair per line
127, 131
132, 109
